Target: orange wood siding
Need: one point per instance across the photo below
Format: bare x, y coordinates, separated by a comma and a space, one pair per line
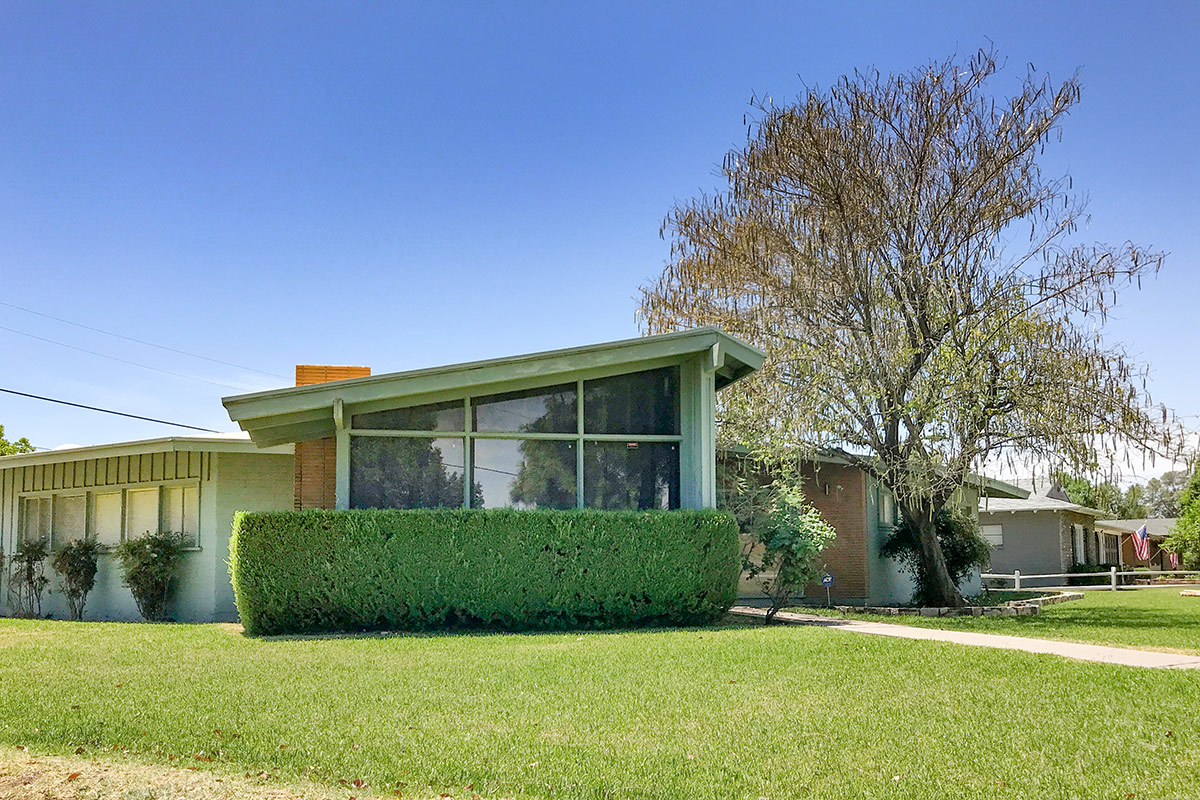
316, 461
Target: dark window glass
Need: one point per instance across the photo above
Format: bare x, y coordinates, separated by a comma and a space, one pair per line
638, 402
405, 472
549, 409
621, 475
523, 473
433, 417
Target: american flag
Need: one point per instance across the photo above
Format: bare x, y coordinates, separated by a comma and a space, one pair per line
1141, 544
1174, 560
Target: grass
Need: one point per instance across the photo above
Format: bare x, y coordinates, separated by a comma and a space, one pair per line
733, 712
1148, 619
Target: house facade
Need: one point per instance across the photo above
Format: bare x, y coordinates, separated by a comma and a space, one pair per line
1045, 534
863, 512
1157, 530
629, 424
187, 484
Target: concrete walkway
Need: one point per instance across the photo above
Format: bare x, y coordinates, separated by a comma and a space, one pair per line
1082, 652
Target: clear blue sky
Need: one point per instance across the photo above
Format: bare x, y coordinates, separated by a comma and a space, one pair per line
405, 185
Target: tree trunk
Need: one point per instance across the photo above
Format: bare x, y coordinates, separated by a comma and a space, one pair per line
941, 590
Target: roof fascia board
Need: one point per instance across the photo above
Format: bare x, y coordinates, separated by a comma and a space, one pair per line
136, 448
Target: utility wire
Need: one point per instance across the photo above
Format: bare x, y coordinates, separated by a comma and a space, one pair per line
106, 410
121, 360
141, 341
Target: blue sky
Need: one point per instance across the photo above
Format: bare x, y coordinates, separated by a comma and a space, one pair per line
405, 185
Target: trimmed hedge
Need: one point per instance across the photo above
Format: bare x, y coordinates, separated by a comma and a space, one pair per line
315, 571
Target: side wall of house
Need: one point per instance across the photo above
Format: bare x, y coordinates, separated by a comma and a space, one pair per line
202, 591
1032, 542
245, 482
839, 493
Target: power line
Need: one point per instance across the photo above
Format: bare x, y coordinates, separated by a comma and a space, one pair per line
121, 360
141, 341
106, 411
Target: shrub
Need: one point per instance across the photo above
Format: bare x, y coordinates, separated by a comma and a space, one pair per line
148, 566
76, 566
792, 534
311, 571
1094, 580
28, 579
962, 546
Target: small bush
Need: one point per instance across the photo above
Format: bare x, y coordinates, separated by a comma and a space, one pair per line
76, 567
792, 534
962, 547
28, 578
1092, 580
310, 571
148, 566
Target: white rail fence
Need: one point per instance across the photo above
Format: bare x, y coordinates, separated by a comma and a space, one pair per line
1113, 574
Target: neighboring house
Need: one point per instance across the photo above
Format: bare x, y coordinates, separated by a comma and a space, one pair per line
113, 492
1044, 534
863, 512
623, 425
1158, 530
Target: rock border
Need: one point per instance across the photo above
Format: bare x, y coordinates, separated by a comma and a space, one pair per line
1012, 608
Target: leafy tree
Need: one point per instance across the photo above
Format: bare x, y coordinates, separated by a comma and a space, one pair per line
958, 536
1161, 496
8, 448
1185, 537
893, 245
1105, 496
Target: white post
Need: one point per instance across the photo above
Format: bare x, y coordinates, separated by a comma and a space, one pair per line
1017, 580
1112, 571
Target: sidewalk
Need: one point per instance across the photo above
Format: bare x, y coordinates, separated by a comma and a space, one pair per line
1082, 652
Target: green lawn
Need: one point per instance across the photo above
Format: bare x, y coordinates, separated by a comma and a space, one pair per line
1150, 619
735, 712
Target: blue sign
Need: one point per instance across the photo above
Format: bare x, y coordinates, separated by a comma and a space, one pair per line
827, 580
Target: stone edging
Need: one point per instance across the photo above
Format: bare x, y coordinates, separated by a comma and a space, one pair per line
1013, 608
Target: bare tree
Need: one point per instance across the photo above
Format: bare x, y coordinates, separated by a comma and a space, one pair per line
894, 246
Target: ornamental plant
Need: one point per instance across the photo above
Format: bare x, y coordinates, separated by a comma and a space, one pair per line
792, 534
28, 579
958, 537
149, 565
76, 567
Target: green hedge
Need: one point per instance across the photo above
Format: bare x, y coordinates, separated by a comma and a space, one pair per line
312, 571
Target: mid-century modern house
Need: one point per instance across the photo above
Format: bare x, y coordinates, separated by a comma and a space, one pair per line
1157, 530
1044, 534
628, 424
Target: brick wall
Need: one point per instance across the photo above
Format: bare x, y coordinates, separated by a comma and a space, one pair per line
316, 461
839, 493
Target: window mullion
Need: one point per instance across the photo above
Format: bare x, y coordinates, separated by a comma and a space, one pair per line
468, 466
579, 443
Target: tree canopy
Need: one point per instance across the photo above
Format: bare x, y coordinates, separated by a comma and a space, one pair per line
894, 246
8, 448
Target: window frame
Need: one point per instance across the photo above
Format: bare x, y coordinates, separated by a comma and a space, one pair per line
579, 436
90, 504
1000, 528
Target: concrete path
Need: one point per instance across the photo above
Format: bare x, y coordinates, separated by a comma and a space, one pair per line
1082, 652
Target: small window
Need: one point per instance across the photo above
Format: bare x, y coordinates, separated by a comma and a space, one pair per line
70, 519
106, 518
433, 417
887, 508
546, 410
37, 518
141, 512
1078, 542
181, 511
634, 403
993, 534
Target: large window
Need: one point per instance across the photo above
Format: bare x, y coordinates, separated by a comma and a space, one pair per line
112, 515
611, 442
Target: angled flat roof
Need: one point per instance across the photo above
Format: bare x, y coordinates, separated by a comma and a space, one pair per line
302, 413
1156, 528
236, 442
